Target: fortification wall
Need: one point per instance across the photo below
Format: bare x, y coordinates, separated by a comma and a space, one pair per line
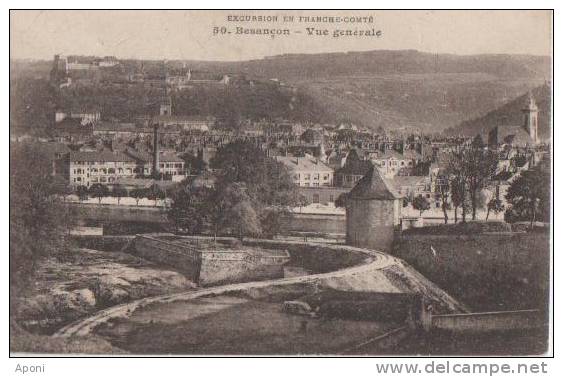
239, 266
207, 267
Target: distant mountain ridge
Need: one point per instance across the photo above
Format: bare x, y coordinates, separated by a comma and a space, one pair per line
293, 66
404, 89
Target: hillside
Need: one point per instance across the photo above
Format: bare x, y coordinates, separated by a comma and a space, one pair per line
407, 89
510, 114
413, 102
403, 89
377, 62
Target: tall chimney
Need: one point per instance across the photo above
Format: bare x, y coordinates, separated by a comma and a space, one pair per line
156, 154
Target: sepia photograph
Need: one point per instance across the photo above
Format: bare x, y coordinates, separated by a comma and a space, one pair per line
312, 183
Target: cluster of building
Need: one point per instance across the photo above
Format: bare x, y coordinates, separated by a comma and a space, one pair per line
324, 160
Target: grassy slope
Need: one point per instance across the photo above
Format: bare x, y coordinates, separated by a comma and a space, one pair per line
486, 272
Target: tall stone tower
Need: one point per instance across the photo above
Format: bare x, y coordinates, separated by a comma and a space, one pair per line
372, 212
531, 118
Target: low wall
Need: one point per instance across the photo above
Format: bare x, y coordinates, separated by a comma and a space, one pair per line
490, 321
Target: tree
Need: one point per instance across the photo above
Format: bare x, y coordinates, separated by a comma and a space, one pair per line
195, 164
236, 210
191, 208
495, 205
119, 192
272, 221
39, 221
155, 193
82, 193
138, 194
97, 190
443, 188
244, 218
480, 165
62, 187
342, 200
458, 188
421, 204
266, 179
529, 196
267, 183
478, 142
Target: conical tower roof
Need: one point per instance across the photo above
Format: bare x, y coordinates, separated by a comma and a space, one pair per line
373, 187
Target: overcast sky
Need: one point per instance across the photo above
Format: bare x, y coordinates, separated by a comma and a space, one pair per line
188, 34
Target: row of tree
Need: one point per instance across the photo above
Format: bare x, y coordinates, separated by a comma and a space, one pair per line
472, 168
469, 170
100, 191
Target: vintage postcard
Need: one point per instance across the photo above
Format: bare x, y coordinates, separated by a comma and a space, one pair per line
281, 183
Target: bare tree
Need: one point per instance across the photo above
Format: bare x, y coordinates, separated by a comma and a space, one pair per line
480, 165
443, 188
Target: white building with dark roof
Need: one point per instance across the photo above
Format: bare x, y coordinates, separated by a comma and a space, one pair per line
308, 171
88, 168
170, 166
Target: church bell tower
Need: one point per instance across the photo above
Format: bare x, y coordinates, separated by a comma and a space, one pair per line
531, 118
